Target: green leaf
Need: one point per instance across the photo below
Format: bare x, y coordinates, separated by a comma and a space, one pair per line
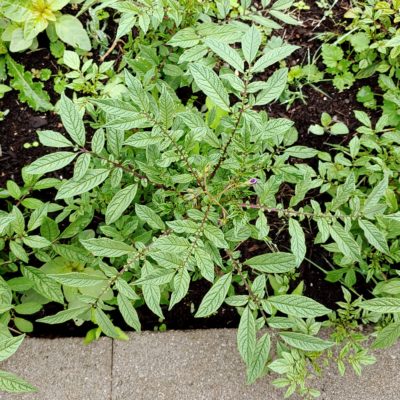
251, 43
259, 359
305, 342
5, 221
30, 92
344, 192
9, 346
152, 296
214, 297
275, 85
64, 315
181, 286
297, 241
115, 107
171, 244
37, 217
124, 288
92, 179
374, 236
185, 38
146, 214
13, 384
167, 108
274, 263
128, 312
298, 306
345, 242
104, 247
246, 335
136, 91
78, 279
387, 336
271, 56
156, 277
36, 242
119, 203
71, 31
53, 139
372, 201
72, 121
226, 53
208, 81
51, 162
215, 236
81, 166
383, 305
205, 263
43, 284
105, 324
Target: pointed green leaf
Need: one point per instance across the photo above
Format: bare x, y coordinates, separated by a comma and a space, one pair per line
271, 56
105, 324
104, 247
9, 346
297, 241
251, 43
298, 306
128, 312
72, 120
214, 297
246, 335
383, 305
50, 162
119, 203
305, 342
259, 359
149, 216
208, 81
13, 384
279, 262
275, 85
181, 286
374, 236
226, 53
64, 315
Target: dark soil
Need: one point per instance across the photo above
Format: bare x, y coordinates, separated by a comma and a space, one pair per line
21, 124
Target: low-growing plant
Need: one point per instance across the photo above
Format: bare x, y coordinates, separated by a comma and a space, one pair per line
162, 193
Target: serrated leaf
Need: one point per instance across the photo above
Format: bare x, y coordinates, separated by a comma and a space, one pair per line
251, 43
226, 53
36, 242
53, 139
298, 306
275, 85
209, 83
146, 214
171, 244
30, 92
104, 247
297, 241
72, 120
116, 107
119, 203
9, 346
13, 384
73, 188
305, 342
279, 262
374, 197
387, 336
78, 279
374, 236
37, 217
64, 315
345, 242
51, 162
383, 305
167, 260
128, 312
105, 324
136, 91
259, 359
246, 335
43, 284
271, 56
214, 297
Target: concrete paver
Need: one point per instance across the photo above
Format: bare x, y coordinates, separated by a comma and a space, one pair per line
62, 369
176, 365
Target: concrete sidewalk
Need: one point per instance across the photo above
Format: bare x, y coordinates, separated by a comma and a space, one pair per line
191, 365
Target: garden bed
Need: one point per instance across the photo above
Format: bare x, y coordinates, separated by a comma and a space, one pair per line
260, 169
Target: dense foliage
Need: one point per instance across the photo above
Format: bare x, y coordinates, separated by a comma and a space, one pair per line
160, 191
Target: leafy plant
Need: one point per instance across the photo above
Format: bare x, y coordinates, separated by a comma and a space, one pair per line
25, 19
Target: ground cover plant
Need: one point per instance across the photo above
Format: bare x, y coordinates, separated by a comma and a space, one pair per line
190, 158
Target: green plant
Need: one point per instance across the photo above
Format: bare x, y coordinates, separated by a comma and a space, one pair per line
328, 125
23, 20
